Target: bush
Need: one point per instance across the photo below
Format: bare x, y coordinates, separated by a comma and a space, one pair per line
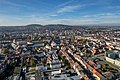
48, 68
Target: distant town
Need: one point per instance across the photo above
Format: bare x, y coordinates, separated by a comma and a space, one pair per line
59, 52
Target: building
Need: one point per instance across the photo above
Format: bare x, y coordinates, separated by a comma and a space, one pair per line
113, 57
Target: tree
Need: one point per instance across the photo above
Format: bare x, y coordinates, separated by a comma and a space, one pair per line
5, 50
32, 62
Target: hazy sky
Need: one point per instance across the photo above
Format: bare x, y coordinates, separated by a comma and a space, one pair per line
76, 12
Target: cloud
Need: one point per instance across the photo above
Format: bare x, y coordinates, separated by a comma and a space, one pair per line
68, 9
66, 3
103, 16
42, 20
53, 15
65, 9
13, 4
25, 6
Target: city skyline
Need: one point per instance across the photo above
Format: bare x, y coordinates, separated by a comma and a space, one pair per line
72, 12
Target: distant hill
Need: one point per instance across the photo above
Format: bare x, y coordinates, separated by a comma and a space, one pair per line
31, 27
34, 25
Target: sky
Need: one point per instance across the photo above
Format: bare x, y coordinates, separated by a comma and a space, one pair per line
71, 12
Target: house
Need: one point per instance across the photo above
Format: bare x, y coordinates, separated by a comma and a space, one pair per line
98, 75
59, 77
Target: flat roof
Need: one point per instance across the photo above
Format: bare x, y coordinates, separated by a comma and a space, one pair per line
114, 51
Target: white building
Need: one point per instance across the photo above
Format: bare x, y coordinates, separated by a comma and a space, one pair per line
113, 61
